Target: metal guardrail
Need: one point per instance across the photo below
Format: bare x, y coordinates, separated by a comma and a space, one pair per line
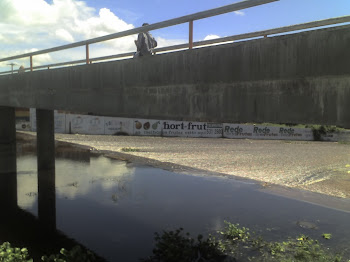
180, 20
176, 21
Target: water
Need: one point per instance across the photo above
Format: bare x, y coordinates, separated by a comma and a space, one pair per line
114, 208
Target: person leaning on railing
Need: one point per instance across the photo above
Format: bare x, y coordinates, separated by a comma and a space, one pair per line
21, 69
145, 43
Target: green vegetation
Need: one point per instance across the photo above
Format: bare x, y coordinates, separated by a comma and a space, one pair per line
234, 243
327, 236
130, 149
76, 254
13, 254
174, 246
319, 130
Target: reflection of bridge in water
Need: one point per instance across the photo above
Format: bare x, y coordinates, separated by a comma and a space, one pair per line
21, 228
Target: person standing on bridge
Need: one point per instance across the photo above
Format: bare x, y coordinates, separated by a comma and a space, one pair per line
145, 43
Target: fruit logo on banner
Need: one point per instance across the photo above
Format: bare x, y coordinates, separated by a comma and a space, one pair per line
144, 127
99, 125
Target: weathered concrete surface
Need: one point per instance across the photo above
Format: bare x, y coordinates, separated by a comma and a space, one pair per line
296, 78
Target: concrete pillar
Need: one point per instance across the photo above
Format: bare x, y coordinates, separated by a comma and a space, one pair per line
46, 168
45, 139
8, 168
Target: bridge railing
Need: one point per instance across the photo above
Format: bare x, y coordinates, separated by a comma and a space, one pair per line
180, 20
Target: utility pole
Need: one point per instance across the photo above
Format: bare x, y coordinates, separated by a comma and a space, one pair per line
12, 64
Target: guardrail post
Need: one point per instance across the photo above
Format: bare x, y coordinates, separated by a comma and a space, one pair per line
31, 63
87, 53
190, 36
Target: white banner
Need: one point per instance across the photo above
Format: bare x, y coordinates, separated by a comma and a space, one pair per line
336, 136
24, 126
191, 129
85, 124
98, 125
59, 121
266, 132
32, 119
119, 126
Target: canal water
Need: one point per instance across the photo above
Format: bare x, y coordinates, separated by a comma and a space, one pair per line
114, 207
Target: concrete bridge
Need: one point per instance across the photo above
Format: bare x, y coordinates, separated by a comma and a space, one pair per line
301, 77
294, 78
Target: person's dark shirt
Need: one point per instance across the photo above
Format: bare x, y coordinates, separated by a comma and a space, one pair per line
145, 43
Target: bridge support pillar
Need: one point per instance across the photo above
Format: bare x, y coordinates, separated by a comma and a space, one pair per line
45, 139
46, 167
8, 169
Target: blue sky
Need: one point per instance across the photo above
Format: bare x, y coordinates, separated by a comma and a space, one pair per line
30, 25
281, 13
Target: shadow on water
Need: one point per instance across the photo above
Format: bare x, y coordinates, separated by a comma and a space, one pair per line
114, 208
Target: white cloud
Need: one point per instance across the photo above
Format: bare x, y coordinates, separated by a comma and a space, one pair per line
64, 35
210, 37
27, 25
102, 172
162, 42
36, 24
241, 13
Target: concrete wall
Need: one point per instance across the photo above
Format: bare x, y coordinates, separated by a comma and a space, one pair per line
296, 78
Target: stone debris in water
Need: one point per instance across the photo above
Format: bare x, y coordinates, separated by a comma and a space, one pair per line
306, 225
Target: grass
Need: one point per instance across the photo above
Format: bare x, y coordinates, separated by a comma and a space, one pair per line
130, 149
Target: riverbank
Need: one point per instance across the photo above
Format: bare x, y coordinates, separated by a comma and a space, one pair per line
321, 167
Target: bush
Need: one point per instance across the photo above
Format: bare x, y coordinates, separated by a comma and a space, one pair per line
11, 254
236, 243
76, 254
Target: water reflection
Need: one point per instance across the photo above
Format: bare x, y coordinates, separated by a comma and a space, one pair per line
8, 169
8, 190
21, 228
114, 208
47, 198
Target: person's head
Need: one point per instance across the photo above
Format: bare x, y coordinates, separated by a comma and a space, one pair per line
144, 24
21, 69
